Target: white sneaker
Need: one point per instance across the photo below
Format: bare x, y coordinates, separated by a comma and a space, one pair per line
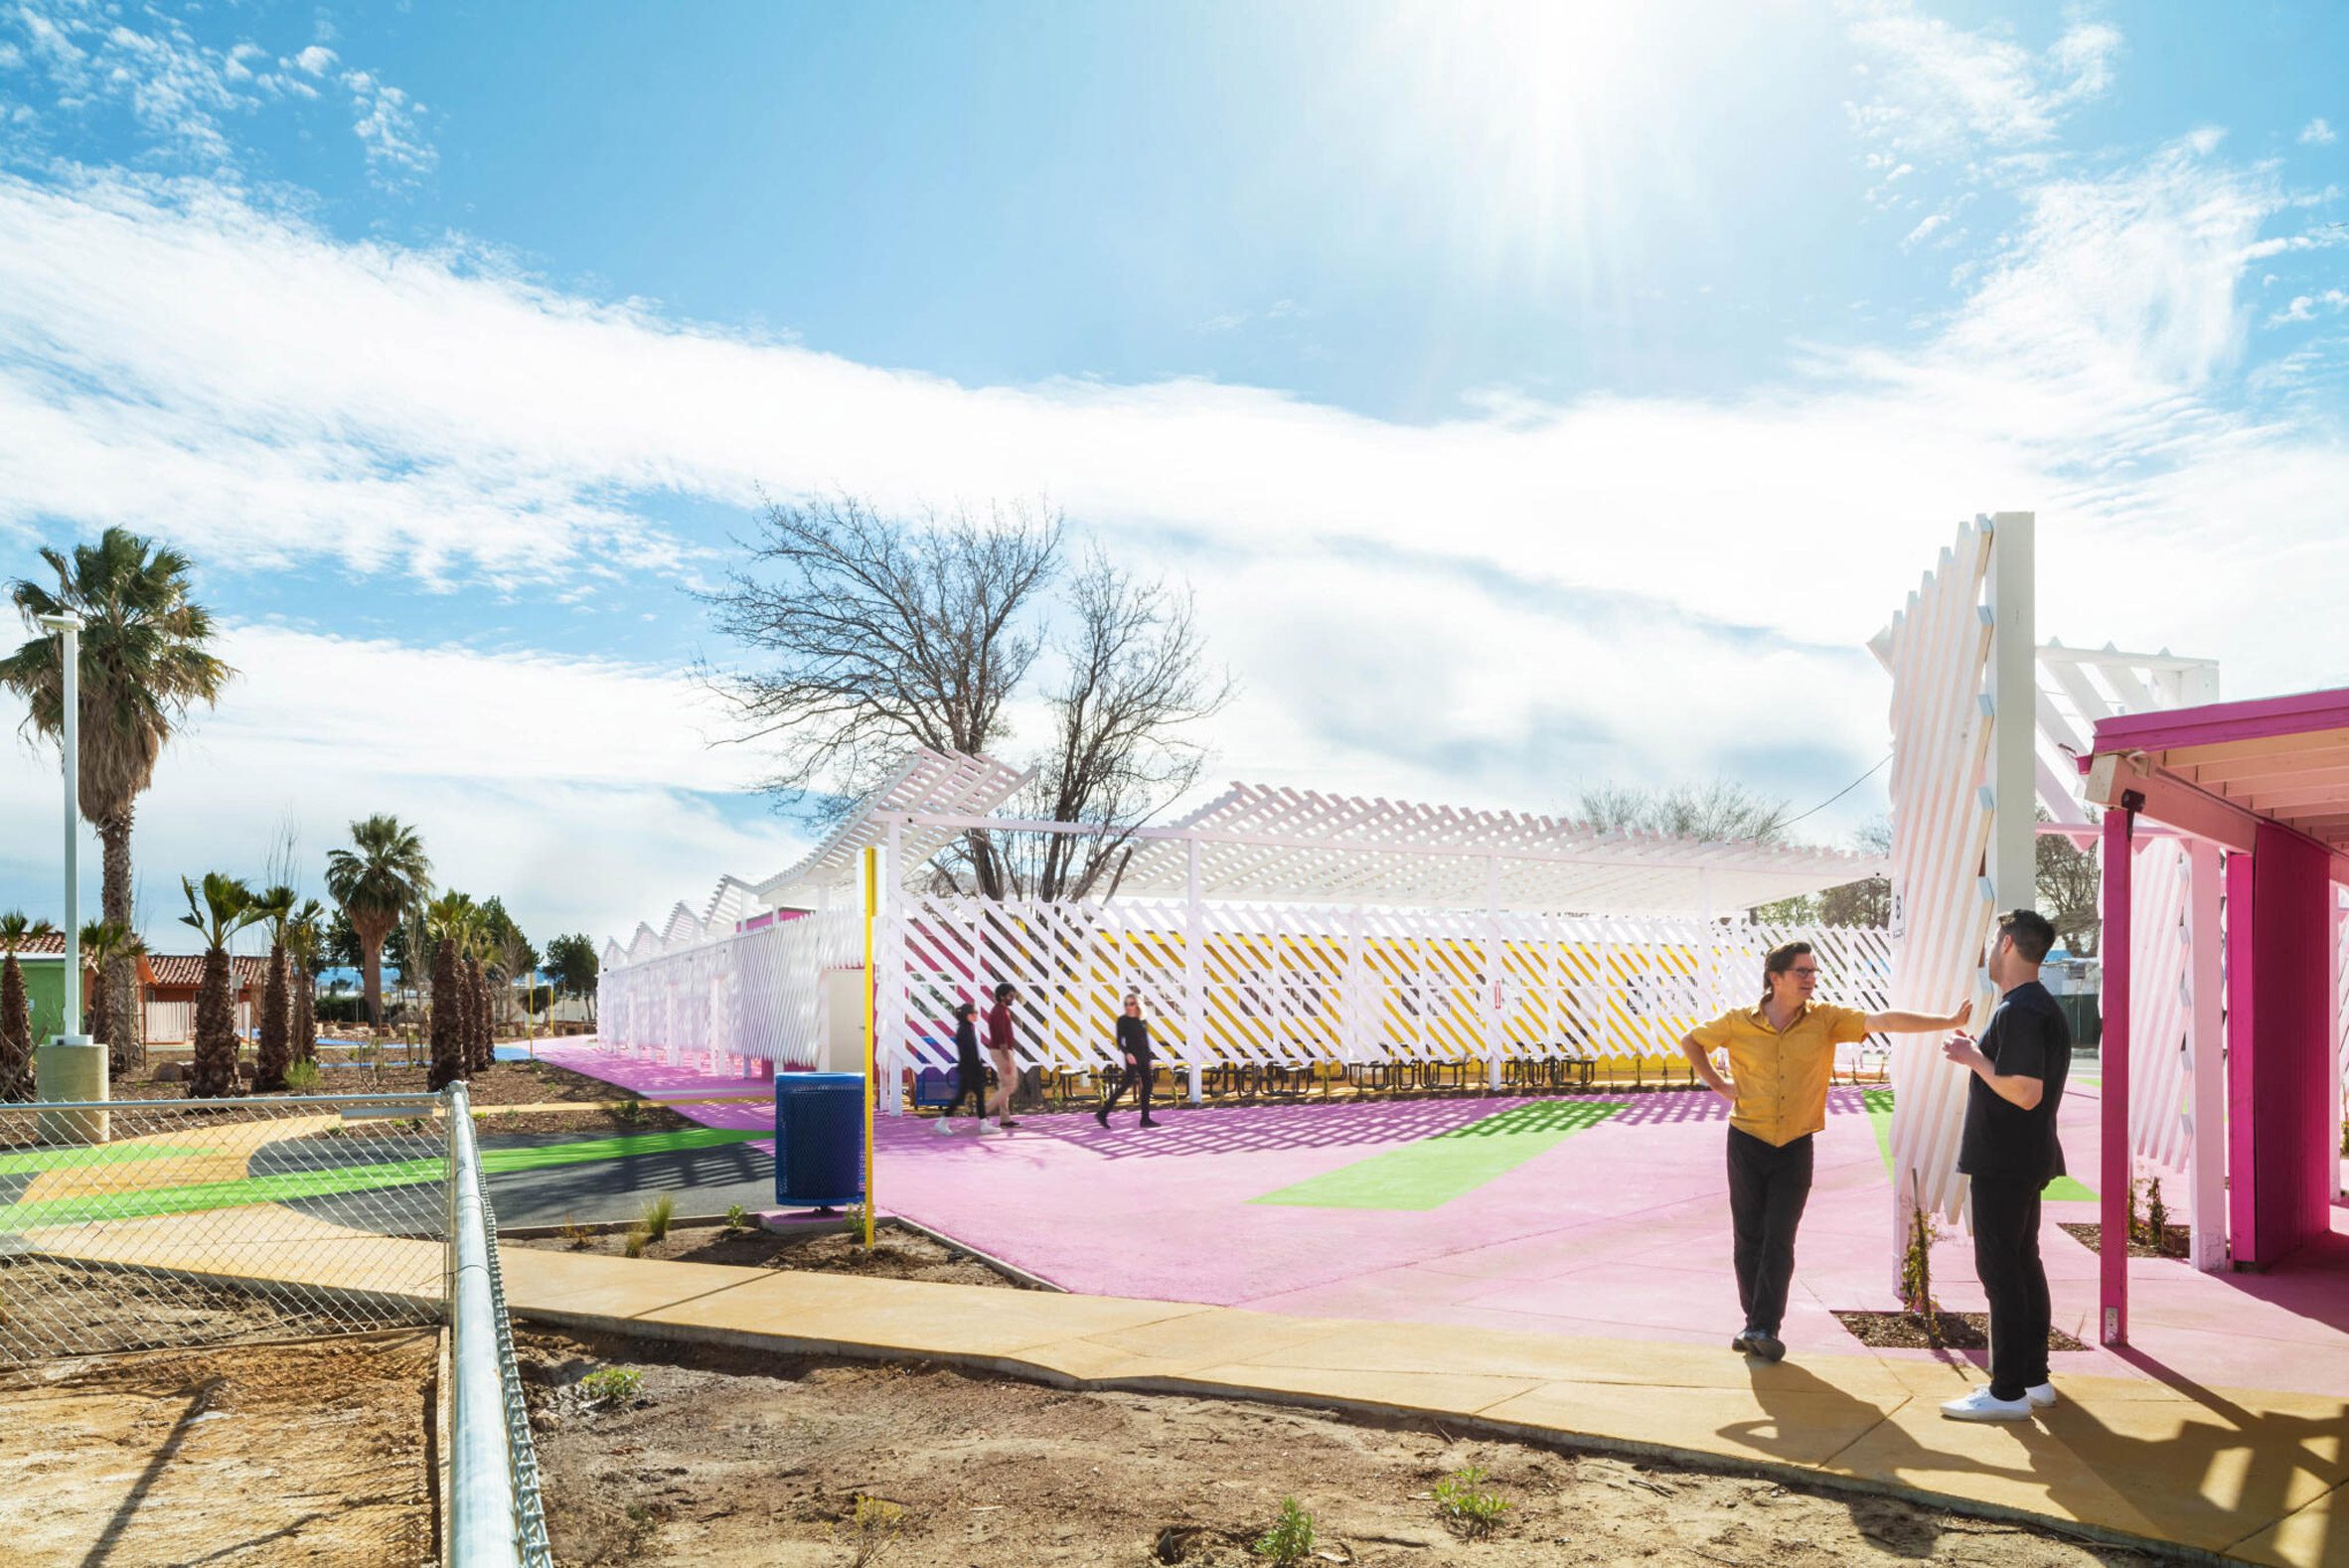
2041, 1395
944, 1128
1982, 1405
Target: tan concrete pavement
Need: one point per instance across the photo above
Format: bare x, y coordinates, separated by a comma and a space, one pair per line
2249, 1473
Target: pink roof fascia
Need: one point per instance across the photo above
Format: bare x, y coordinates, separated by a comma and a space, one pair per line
2213, 724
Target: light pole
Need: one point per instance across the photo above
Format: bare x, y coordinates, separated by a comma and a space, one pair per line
70, 1067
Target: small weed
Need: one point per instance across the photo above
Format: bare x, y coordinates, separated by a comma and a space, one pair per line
628, 1113
633, 1244
303, 1078
1467, 1504
737, 1217
656, 1216
575, 1235
613, 1386
2156, 1213
2137, 1218
872, 1525
1916, 1273
1291, 1539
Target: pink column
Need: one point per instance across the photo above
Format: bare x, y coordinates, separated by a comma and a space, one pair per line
2242, 1170
2113, 1192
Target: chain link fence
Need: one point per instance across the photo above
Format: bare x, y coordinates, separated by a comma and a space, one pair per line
138, 1225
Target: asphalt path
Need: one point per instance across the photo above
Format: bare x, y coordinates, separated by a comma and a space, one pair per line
701, 1180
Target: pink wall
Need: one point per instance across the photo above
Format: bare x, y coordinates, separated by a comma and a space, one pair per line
2281, 1130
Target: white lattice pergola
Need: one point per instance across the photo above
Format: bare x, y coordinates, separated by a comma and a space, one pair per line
1474, 936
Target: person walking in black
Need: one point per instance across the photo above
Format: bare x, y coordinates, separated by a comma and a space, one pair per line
2009, 1151
970, 1074
1140, 1069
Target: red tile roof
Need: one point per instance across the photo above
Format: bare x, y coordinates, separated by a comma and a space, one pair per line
187, 969
53, 944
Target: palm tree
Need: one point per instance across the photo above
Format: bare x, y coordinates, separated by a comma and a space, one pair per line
16, 1015
143, 665
102, 942
375, 885
219, 912
446, 923
305, 937
274, 1049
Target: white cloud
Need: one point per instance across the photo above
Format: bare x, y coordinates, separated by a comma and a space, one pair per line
181, 360
2316, 133
580, 790
1944, 89
2307, 307
185, 93
1924, 230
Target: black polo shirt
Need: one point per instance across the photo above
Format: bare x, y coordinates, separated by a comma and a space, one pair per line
2026, 1035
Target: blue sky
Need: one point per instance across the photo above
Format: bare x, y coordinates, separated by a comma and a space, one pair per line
1536, 395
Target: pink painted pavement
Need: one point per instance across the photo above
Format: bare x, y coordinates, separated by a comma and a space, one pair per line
1618, 1230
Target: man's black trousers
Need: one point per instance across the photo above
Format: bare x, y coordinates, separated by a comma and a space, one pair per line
2006, 1260
1768, 1187
1138, 1077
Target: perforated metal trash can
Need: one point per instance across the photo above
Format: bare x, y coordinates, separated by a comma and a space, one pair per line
819, 1139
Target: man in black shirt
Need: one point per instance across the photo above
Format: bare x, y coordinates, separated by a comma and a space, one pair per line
1134, 1046
2009, 1150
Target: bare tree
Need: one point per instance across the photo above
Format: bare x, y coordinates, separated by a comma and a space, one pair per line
1718, 812
1867, 902
2070, 884
879, 635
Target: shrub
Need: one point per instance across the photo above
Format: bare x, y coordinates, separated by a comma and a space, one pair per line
612, 1386
2156, 1215
575, 1235
1465, 1504
873, 1525
634, 1245
302, 1077
1291, 1539
737, 1217
628, 1111
656, 1216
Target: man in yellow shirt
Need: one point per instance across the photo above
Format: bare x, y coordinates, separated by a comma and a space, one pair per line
1782, 1056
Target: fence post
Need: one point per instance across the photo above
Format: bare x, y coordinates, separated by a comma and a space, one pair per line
481, 1511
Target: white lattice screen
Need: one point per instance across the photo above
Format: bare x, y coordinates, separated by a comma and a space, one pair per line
1298, 985
755, 993
2161, 1064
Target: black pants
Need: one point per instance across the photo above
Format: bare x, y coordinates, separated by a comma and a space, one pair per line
1768, 1187
1141, 1077
2006, 1260
970, 1083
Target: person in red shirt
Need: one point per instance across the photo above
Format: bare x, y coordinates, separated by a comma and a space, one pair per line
999, 1048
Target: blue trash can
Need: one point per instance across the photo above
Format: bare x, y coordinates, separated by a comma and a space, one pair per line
819, 1139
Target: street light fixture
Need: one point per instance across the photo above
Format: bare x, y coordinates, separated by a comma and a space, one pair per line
70, 1067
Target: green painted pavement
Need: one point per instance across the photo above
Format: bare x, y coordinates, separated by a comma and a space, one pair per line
1435, 1171
2063, 1189
285, 1186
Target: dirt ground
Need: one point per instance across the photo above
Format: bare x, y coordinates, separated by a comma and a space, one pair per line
2177, 1241
505, 1083
311, 1452
721, 1457
55, 1308
896, 1254
1957, 1331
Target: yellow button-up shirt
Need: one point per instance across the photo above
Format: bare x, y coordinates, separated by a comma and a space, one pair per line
1782, 1077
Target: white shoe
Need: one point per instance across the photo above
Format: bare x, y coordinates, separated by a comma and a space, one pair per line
1982, 1405
945, 1127
2041, 1395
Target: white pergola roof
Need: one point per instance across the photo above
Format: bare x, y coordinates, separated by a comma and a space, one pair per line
1258, 842
927, 783
1285, 845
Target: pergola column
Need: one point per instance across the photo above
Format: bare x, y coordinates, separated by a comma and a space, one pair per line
2113, 1192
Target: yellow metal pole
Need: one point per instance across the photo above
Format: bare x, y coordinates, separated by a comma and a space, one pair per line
872, 1065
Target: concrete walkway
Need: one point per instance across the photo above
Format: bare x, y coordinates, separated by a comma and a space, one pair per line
2252, 1474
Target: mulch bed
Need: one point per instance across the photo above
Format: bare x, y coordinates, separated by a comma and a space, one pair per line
2177, 1241
1957, 1331
896, 1254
